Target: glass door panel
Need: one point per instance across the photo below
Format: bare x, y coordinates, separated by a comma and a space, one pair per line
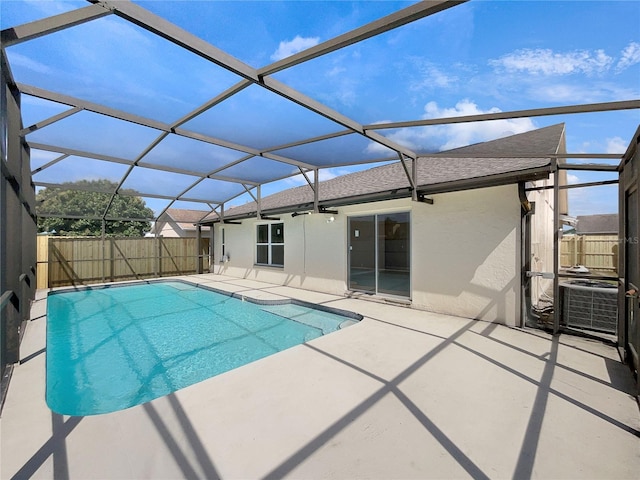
633, 275
393, 254
362, 253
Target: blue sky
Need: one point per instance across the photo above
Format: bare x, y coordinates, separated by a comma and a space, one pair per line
479, 57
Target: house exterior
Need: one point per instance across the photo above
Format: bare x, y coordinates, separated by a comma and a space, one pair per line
602, 224
177, 222
459, 251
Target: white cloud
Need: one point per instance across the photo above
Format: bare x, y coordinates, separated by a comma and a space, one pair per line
432, 77
445, 137
461, 134
291, 47
17, 59
572, 179
336, 71
616, 145
593, 200
547, 62
629, 56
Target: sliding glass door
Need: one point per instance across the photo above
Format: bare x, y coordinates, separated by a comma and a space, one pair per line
362, 253
379, 254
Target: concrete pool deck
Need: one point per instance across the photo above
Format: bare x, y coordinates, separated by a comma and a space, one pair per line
402, 394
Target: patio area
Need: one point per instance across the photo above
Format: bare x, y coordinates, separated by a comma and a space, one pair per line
402, 394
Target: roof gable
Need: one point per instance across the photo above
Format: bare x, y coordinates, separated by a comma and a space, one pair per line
181, 215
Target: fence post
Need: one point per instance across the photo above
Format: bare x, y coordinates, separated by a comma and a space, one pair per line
198, 248
159, 257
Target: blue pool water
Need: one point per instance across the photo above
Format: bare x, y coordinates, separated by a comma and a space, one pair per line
113, 348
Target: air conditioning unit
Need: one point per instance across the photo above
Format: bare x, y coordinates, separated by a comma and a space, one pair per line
590, 305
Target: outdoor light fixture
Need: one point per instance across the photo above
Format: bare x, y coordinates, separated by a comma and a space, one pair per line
295, 214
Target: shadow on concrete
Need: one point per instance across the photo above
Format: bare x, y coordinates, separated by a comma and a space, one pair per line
388, 387
528, 448
177, 451
55, 447
32, 356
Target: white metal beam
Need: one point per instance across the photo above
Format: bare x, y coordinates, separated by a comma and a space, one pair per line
321, 109
29, 31
397, 19
535, 112
49, 121
171, 32
167, 30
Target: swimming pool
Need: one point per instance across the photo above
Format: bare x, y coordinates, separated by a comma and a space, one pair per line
110, 348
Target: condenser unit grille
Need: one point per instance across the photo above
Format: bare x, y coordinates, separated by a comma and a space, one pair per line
594, 308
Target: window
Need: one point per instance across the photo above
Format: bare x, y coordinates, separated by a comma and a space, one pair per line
270, 244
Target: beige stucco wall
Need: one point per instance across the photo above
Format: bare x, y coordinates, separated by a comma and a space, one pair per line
314, 255
466, 259
465, 252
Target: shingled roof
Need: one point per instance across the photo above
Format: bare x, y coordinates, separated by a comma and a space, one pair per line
603, 224
182, 215
443, 172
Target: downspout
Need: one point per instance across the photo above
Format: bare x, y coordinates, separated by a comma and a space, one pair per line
557, 228
526, 312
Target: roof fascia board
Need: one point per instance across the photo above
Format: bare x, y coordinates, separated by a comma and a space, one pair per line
535, 112
29, 31
406, 192
488, 181
389, 22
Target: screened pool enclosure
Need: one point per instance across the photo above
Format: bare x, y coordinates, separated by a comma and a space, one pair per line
204, 125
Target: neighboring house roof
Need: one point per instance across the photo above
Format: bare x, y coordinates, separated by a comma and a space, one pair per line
443, 172
186, 219
602, 224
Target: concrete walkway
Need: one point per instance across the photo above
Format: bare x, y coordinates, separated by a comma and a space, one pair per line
402, 394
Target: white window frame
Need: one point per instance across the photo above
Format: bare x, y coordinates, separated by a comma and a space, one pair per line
269, 244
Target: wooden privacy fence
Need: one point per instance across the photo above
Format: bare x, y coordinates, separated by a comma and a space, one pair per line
84, 260
596, 252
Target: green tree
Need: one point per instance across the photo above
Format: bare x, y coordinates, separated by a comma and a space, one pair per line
88, 199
